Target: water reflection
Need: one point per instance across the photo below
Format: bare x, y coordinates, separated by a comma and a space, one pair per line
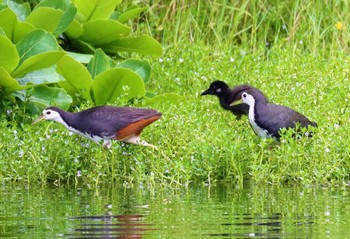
196, 212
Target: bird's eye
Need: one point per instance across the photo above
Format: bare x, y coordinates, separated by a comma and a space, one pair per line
48, 112
218, 90
244, 95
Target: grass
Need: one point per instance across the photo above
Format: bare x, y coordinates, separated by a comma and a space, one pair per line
292, 51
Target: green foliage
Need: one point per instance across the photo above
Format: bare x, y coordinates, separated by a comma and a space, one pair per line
31, 43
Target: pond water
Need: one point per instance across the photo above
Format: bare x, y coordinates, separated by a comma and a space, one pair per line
196, 212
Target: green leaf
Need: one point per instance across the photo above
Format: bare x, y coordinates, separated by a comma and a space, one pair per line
9, 57
80, 57
37, 62
144, 44
142, 68
14, 29
103, 31
130, 14
90, 10
7, 82
39, 77
117, 83
21, 10
45, 18
77, 78
68, 9
36, 42
74, 30
47, 96
99, 63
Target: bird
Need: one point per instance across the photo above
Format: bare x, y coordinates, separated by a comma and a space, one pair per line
268, 119
105, 123
227, 96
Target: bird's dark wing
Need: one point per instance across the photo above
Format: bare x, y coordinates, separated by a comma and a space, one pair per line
108, 120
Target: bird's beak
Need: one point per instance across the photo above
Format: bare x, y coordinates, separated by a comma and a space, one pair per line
236, 102
40, 118
207, 92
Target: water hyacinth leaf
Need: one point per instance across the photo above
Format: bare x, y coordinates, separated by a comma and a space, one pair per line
37, 62
117, 83
144, 44
103, 31
77, 78
130, 14
7, 82
90, 10
99, 63
142, 68
68, 9
21, 10
9, 57
39, 77
14, 29
36, 42
45, 18
47, 96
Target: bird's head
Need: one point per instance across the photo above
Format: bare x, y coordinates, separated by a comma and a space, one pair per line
247, 97
49, 113
217, 88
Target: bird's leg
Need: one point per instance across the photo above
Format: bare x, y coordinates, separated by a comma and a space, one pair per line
135, 139
107, 144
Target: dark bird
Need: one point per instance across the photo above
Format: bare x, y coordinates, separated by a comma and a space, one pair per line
268, 119
105, 123
227, 96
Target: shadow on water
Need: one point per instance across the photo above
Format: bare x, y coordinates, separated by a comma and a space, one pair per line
113, 226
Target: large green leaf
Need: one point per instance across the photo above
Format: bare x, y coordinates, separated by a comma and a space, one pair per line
45, 18
7, 82
103, 31
74, 30
117, 83
77, 78
14, 29
36, 42
21, 10
9, 57
80, 57
144, 44
44, 76
130, 14
142, 68
97, 9
37, 62
99, 63
68, 9
47, 96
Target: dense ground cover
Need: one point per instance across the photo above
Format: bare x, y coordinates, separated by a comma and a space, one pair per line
197, 140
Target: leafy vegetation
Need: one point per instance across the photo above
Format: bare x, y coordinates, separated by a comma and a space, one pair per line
295, 53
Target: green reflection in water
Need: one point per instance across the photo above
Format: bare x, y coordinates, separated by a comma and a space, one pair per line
220, 212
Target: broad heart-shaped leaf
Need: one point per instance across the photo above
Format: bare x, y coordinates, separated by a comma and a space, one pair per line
95, 9
37, 62
77, 77
36, 42
48, 96
142, 68
44, 76
7, 82
21, 10
9, 57
117, 83
102, 31
45, 18
144, 44
99, 63
130, 14
14, 29
68, 9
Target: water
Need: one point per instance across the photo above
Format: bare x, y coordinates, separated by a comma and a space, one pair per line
197, 212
